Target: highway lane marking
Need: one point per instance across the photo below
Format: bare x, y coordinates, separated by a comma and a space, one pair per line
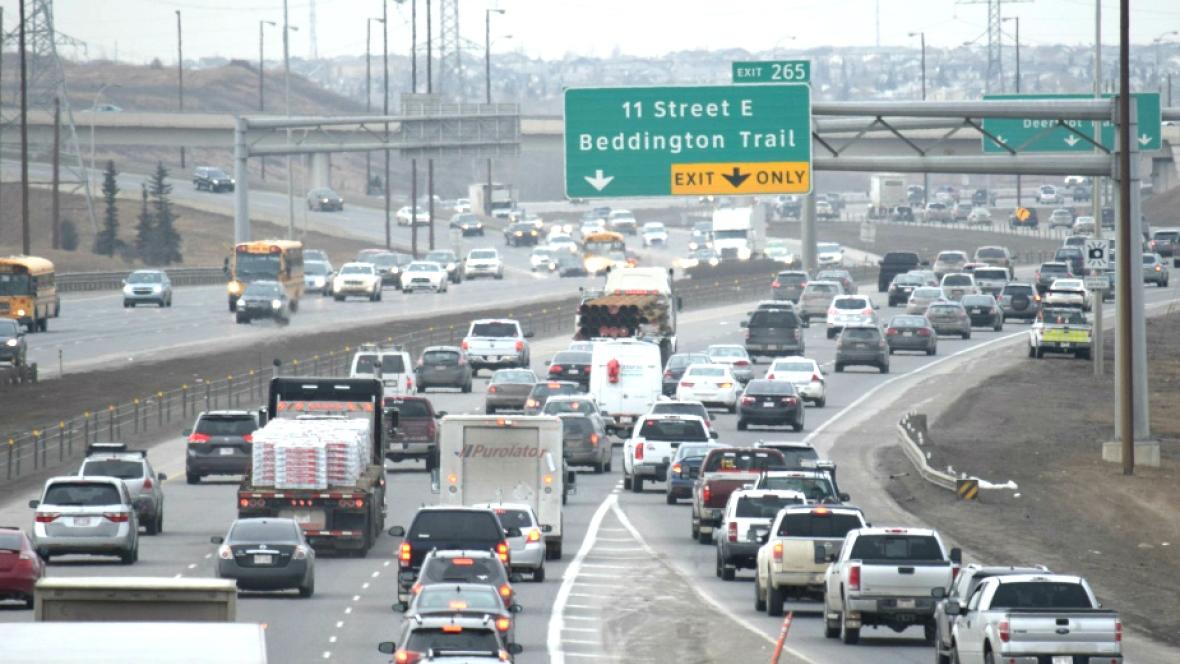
356, 598
365, 585
347, 609
386, 564
327, 654
606, 566
560, 602
332, 639
582, 606
339, 624
192, 566
622, 517
376, 574
582, 643
581, 629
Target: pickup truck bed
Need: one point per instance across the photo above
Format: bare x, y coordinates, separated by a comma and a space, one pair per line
709, 498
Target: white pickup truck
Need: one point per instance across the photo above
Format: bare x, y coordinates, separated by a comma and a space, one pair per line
744, 525
884, 577
648, 453
1034, 619
495, 344
794, 555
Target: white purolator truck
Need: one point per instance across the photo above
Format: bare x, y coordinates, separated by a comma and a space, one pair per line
510, 459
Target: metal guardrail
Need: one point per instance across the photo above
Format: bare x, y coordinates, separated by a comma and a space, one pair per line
911, 434
72, 282
52, 445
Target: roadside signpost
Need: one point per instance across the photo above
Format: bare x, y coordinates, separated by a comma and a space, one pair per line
1051, 136
1097, 254
688, 141
772, 71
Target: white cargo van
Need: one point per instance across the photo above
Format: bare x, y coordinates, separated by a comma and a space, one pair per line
626, 378
396, 371
509, 459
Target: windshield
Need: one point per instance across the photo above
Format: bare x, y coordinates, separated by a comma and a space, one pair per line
445, 597
1059, 595
978, 301
952, 257
572, 357
356, 269
681, 361
956, 280
483, 254
871, 548
315, 268
711, 372
514, 376
124, 470
796, 456
442, 525
991, 273
542, 391
851, 303
145, 278
409, 408
990, 252
770, 387
674, 430
493, 329
226, 426
84, 494
814, 488
739, 234
763, 507
1017, 290
928, 293
463, 570
944, 310
264, 531
680, 408
568, 406
818, 523
1064, 317
384, 260
773, 319
9, 328
751, 459
259, 289
1148, 259
469, 640
10, 541
423, 267
15, 284
1054, 269
257, 266
391, 363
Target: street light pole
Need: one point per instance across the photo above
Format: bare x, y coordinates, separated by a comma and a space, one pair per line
925, 176
180, 72
1019, 179
94, 111
287, 108
369, 91
261, 70
487, 82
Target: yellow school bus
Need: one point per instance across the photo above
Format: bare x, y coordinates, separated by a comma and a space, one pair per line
266, 260
602, 250
28, 293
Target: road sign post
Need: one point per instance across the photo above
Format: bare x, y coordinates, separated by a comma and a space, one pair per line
1097, 255
772, 71
688, 141
1044, 135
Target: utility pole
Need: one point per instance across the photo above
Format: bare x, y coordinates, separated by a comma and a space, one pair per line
287, 104
925, 176
55, 215
413, 162
24, 139
261, 69
385, 111
1126, 292
1096, 205
487, 84
1019, 178
429, 90
180, 73
369, 91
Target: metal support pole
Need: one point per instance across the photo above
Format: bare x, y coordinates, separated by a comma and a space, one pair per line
1098, 348
180, 72
429, 162
242, 186
807, 233
1125, 380
24, 138
287, 104
55, 215
385, 110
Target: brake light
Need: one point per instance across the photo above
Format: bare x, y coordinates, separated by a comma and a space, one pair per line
1118, 630
706, 493
46, 517
198, 438
667, 374
117, 517
409, 384
815, 378
612, 370
519, 346
505, 591
300, 552
462, 562
407, 657
777, 552
685, 383
502, 552
741, 363
891, 332
923, 332
503, 624
775, 284
464, 345
725, 385
491, 389
639, 451
594, 440
452, 629
954, 572
732, 531
747, 400
676, 468
1005, 631
404, 554
555, 368
147, 483
790, 401
769, 376
249, 438
534, 535
224, 552
854, 577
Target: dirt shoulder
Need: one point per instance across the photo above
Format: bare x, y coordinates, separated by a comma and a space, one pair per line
1041, 424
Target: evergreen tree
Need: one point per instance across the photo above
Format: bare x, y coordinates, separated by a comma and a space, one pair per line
165, 239
107, 242
145, 231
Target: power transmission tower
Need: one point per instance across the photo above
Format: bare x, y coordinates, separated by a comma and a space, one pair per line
46, 83
450, 50
314, 52
995, 52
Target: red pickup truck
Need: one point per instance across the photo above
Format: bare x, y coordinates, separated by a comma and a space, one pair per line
724, 471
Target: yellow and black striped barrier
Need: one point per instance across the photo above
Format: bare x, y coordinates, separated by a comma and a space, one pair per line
967, 489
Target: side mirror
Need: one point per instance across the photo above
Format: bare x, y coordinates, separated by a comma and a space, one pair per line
957, 556
516, 608
528, 335
440, 414
548, 362
745, 323
186, 433
397, 531
401, 607
34, 503
714, 435
571, 477
161, 476
546, 528
515, 648
844, 498
953, 608
512, 532
516, 578
938, 593
216, 539
387, 647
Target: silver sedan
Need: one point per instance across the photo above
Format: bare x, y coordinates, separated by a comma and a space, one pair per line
147, 287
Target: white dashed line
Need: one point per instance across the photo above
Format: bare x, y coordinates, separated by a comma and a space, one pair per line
347, 609
356, 598
332, 639
339, 624
365, 585
376, 574
386, 563
327, 654
192, 566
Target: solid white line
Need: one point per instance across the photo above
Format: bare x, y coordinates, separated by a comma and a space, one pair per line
556, 616
706, 597
606, 566
596, 619
582, 643
588, 575
591, 655
580, 629
587, 584
582, 606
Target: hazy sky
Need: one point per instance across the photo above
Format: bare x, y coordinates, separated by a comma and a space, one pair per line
139, 30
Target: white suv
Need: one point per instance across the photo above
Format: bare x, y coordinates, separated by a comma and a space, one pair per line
849, 310
397, 369
483, 263
357, 279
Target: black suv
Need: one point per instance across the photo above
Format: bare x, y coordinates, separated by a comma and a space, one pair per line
447, 529
893, 264
212, 179
221, 443
774, 332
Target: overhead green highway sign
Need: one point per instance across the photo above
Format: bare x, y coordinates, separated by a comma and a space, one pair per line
772, 71
1041, 135
687, 141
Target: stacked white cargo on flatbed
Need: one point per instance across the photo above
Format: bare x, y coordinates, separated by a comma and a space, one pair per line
310, 452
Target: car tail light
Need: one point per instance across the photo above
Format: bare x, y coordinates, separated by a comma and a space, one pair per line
431, 429
1153, 245
404, 554
224, 552
790, 401
815, 378
464, 345
955, 569
854, 577
769, 376
777, 552
1159, 268
892, 332
685, 383
117, 517
1118, 630
147, 483
725, 385
505, 591
407, 657
747, 400
639, 451
503, 624
249, 438
519, 346
594, 440
555, 369
46, 517
198, 438
502, 552
668, 374
881, 344
923, 332
706, 493
1038, 275
676, 468
534, 535
1005, 631
732, 531
409, 384
300, 552
741, 363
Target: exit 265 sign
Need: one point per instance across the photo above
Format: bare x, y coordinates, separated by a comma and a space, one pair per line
682, 141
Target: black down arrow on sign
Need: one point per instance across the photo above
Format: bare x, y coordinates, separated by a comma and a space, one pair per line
736, 178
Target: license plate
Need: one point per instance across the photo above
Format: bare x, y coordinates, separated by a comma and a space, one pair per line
768, 404
977, 311
1063, 659
82, 520
263, 559
572, 372
313, 519
1065, 344
225, 451
905, 604
862, 345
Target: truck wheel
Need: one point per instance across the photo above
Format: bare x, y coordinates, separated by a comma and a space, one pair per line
718, 566
696, 530
839, 368
637, 485
850, 636
831, 627
192, 478
129, 557
928, 630
539, 574
670, 499
704, 538
727, 572
774, 601
741, 425
626, 483
151, 527
759, 601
